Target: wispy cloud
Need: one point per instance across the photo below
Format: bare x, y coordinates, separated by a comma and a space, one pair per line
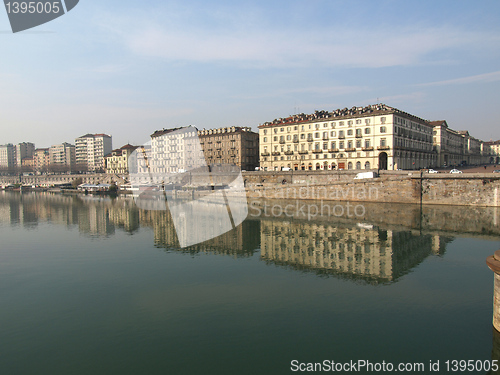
487, 77
262, 45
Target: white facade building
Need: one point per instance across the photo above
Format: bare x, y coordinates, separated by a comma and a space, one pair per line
90, 151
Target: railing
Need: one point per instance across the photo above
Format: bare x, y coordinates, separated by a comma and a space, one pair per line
367, 148
333, 150
383, 148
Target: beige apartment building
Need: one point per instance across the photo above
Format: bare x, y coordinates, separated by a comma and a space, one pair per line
90, 151
41, 160
117, 161
231, 145
448, 143
491, 152
372, 137
62, 158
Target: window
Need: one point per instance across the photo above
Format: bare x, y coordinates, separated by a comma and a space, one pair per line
288, 137
358, 165
349, 165
275, 139
325, 125
367, 165
358, 143
317, 126
275, 130
367, 143
341, 134
316, 135
316, 146
382, 120
325, 145
265, 139
265, 131
341, 144
358, 132
367, 130
349, 132
325, 135
302, 136
349, 122
358, 121
367, 121
341, 123
333, 125
333, 134
383, 129
333, 145
349, 144
282, 129
383, 142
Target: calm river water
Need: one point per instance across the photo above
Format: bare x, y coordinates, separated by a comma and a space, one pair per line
98, 286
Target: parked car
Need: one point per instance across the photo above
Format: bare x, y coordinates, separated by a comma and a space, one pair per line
496, 171
455, 171
432, 171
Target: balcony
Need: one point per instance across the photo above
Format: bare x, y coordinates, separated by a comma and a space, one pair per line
341, 136
282, 141
367, 148
276, 153
303, 152
288, 152
383, 148
359, 135
350, 149
295, 140
309, 139
333, 150
317, 151
325, 138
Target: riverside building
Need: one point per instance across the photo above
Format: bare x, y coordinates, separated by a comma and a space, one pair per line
372, 137
231, 145
117, 161
90, 151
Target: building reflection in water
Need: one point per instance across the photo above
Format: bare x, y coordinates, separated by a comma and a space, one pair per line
388, 242
362, 251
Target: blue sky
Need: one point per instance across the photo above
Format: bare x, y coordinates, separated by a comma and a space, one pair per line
127, 68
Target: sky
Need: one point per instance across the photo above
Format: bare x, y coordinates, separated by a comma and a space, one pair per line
128, 68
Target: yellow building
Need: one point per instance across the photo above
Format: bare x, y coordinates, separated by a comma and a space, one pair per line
372, 137
448, 143
117, 160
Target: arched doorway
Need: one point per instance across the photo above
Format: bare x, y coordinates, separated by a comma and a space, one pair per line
310, 167
349, 165
382, 161
333, 166
358, 165
317, 166
367, 165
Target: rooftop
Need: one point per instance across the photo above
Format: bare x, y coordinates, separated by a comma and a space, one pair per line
345, 113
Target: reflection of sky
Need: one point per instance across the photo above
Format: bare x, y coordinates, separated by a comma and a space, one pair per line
74, 302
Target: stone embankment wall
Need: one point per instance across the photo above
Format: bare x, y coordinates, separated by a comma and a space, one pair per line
468, 189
